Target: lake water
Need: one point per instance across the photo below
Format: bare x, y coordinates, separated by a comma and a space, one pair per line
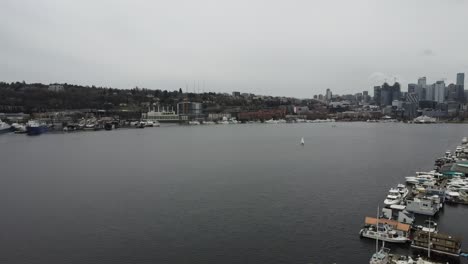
246, 193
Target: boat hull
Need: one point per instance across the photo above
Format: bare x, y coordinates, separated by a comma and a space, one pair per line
400, 240
33, 131
6, 130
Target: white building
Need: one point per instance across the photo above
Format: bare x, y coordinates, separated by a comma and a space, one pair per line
55, 88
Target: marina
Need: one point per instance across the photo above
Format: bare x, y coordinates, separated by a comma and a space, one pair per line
425, 195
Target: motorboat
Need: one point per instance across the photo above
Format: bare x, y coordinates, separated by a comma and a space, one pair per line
448, 153
224, 121
194, 122
271, 121
34, 127
4, 127
421, 178
233, 121
18, 128
429, 226
393, 197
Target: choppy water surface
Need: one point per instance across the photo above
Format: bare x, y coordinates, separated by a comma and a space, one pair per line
209, 194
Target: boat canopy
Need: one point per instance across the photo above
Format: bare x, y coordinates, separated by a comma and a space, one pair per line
453, 194
393, 223
397, 207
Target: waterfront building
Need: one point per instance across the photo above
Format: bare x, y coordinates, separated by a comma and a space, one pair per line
190, 110
236, 94
265, 114
300, 110
166, 115
219, 116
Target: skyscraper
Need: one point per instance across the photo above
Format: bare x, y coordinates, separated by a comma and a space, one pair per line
461, 79
421, 88
422, 81
439, 91
328, 95
461, 87
412, 87
389, 93
377, 95
430, 92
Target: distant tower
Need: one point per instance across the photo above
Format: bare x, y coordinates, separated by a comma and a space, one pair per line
461, 79
422, 81
328, 95
461, 87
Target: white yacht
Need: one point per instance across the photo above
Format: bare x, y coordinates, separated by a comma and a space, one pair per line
403, 190
429, 226
194, 122
271, 121
380, 257
393, 197
4, 127
421, 178
224, 121
233, 121
385, 230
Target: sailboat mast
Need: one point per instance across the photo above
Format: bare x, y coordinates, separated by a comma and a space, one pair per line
429, 241
377, 232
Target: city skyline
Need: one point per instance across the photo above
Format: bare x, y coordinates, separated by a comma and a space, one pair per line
283, 49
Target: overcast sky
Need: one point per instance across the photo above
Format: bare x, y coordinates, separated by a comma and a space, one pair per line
293, 48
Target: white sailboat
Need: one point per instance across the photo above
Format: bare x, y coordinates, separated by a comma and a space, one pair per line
302, 141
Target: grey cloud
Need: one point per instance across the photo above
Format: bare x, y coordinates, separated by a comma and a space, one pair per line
296, 48
428, 52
